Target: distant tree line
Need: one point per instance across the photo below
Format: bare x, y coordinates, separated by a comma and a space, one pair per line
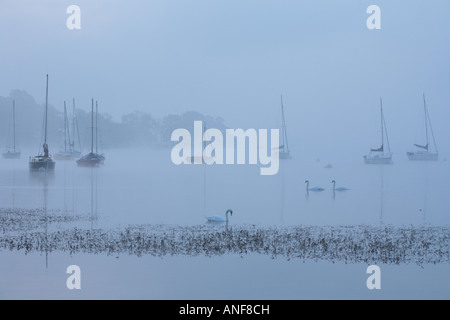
136, 129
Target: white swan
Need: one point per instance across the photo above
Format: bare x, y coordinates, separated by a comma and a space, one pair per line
338, 189
316, 189
220, 218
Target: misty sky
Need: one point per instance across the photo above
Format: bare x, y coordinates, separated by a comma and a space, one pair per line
233, 58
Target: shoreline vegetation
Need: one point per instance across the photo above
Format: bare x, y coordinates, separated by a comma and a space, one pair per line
135, 129
28, 231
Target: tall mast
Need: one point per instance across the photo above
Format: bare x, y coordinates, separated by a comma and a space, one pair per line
283, 124
92, 143
46, 112
428, 120
204, 170
14, 124
384, 129
204, 142
65, 127
73, 124
382, 124
68, 128
75, 119
96, 127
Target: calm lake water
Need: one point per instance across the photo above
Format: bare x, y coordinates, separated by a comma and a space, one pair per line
143, 188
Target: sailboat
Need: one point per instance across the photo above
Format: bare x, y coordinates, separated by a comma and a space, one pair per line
284, 148
43, 161
382, 155
102, 156
91, 159
425, 152
68, 152
12, 153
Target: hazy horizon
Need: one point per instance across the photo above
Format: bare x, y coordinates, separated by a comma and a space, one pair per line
234, 60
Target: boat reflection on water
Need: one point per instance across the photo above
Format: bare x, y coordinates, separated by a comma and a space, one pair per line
94, 197
41, 178
381, 197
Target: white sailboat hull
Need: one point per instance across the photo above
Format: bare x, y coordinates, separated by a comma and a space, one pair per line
11, 154
41, 163
422, 156
378, 159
